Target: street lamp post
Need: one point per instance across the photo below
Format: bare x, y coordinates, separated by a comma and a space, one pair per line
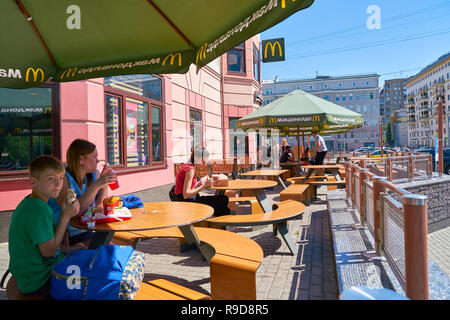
440, 136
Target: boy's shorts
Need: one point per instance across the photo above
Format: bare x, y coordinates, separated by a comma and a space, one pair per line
81, 237
44, 291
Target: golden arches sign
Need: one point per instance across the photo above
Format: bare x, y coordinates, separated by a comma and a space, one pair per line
69, 72
172, 58
276, 52
201, 54
35, 73
316, 118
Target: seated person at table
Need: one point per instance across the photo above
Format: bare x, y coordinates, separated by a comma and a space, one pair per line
305, 156
187, 188
287, 156
86, 181
33, 243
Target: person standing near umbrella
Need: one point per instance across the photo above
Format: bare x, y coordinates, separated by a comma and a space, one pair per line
320, 147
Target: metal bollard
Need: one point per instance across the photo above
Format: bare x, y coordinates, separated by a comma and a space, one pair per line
416, 252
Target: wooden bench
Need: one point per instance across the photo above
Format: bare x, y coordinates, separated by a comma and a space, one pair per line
162, 289
301, 180
255, 206
314, 184
159, 289
282, 212
297, 192
233, 266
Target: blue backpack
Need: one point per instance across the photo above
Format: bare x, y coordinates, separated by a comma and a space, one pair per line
110, 272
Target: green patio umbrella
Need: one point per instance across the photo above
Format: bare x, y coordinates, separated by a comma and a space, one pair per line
300, 112
69, 40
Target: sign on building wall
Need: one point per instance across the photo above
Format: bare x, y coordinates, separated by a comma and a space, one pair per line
273, 50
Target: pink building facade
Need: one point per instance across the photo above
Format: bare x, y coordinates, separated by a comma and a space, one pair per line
141, 127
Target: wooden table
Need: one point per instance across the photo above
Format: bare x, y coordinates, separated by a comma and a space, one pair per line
266, 173
291, 164
257, 186
155, 215
334, 168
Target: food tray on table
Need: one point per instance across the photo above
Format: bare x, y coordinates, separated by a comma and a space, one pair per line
120, 214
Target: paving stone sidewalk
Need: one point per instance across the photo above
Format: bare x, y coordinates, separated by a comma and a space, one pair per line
309, 274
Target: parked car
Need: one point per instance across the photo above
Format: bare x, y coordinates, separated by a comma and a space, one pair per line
377, 153
431, 151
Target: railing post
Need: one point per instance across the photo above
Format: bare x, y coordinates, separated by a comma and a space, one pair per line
347, 179
389, 168
410, 168
362, 207
416, 252
353, 190
378, 189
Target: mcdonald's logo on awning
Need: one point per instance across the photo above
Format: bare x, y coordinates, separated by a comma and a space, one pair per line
272, 120
316, 118
35, 73
276, 52
172, 58
48, 110
201, 54
17, 130
70, 72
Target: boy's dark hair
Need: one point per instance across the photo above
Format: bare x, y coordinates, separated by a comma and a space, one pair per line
45, 162
199, 152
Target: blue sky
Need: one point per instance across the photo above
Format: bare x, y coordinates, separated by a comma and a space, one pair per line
327, 38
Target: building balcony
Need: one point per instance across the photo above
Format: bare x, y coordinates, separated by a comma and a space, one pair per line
411, 110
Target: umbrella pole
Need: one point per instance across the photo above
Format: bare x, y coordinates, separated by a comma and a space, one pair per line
298, 144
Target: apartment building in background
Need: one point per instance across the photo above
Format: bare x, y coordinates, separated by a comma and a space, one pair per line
359, 93
422, 93
392, 97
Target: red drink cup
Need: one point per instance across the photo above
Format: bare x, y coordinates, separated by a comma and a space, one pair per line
114, 185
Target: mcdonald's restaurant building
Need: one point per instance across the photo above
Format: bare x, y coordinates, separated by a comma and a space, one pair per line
141, 124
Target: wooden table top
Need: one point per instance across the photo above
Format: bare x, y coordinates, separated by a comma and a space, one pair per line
156, 215
291, 163
323, 166
264, 173
247, 184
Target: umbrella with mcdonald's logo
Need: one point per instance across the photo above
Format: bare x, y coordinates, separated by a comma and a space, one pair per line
301, 113
69, 40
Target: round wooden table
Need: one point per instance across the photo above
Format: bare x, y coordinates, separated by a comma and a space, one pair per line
154, 215
257, 186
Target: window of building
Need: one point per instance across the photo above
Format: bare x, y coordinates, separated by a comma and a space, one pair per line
237, 142
325, 97
350, 96
343, 97
325, 86
354, 84
256, 64
195, 123
340, 84
337, 97
27, 126
134, 127
236, 59
371, 95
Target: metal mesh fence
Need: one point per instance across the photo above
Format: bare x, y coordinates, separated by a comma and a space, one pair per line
421, 166
393, 236
369, 213
399, 169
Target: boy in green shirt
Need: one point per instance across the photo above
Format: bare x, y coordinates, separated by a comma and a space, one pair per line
33, 242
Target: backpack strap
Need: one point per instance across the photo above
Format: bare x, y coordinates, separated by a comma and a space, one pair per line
3, 279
